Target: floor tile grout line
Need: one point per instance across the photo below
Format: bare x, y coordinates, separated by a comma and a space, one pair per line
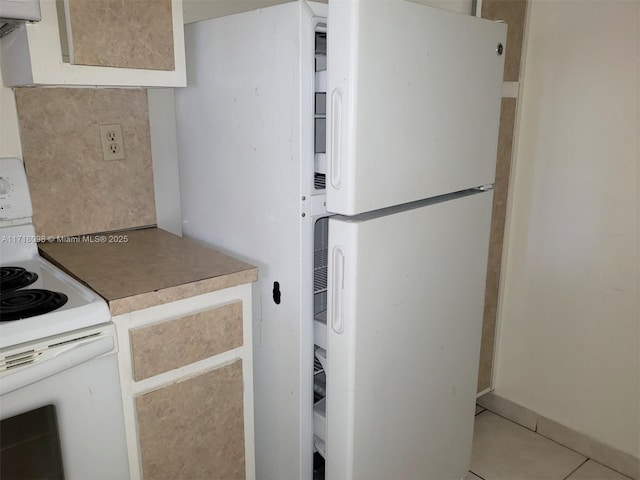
587, 458
485, 410
580, 453
482, 478
600, 463
520, 425
575, 469
513, 421
544, 436
573, 450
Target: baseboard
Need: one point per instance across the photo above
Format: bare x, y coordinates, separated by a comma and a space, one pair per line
584, 444
486, 390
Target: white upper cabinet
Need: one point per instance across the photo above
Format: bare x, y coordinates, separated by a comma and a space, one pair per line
91, 42
413, 101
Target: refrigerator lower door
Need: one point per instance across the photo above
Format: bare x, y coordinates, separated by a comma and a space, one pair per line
406, 294
413, 96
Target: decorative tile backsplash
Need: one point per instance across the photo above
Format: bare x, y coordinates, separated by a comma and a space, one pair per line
73, 189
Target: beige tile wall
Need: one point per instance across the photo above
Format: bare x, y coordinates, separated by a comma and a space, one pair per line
122, 33
73, 190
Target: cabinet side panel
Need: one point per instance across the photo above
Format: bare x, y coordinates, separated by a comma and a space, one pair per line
175, 343
503, 167
194, 429
239, 128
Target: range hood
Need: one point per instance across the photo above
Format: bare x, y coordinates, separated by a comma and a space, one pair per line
14, 13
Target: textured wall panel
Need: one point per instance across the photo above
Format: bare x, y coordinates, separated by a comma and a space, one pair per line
194, 429
175, 343
73, 190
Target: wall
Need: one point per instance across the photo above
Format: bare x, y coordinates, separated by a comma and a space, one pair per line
164, 153
9, 135
568, 344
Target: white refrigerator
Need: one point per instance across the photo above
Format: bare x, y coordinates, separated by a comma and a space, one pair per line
348, 150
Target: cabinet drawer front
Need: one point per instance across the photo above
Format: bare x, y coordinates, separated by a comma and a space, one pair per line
194, 429
175, 343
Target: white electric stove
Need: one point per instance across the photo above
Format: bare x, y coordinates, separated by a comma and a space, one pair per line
58, 363
38, 299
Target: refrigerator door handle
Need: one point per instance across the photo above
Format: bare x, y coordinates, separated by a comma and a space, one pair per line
337, 313
336, 138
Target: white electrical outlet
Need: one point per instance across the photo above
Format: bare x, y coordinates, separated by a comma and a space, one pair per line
112, 144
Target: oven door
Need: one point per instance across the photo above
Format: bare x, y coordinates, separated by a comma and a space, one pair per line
80, 379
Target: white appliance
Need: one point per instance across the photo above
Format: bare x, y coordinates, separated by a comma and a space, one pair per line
58, 366
349, 152
14, 13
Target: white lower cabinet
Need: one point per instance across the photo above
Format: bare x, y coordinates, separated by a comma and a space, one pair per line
187, 383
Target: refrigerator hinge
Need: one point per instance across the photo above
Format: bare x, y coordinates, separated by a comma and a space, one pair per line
484, 188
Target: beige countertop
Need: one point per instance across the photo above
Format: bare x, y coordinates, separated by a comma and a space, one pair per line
142, 268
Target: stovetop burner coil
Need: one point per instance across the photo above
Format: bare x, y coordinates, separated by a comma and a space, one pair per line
19, 304
12, 278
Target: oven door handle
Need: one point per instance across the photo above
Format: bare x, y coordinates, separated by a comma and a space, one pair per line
59, 363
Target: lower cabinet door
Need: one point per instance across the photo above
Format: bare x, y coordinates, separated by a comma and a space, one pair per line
194, 429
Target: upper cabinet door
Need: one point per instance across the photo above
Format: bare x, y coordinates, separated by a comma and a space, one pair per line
106, 43
127, 34
413, 97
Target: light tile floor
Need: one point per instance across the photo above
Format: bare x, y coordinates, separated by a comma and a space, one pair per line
504, 450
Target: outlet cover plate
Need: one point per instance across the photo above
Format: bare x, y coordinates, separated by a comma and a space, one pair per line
112, 144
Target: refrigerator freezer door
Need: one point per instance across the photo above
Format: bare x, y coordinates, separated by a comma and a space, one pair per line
413, 103
404, 319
